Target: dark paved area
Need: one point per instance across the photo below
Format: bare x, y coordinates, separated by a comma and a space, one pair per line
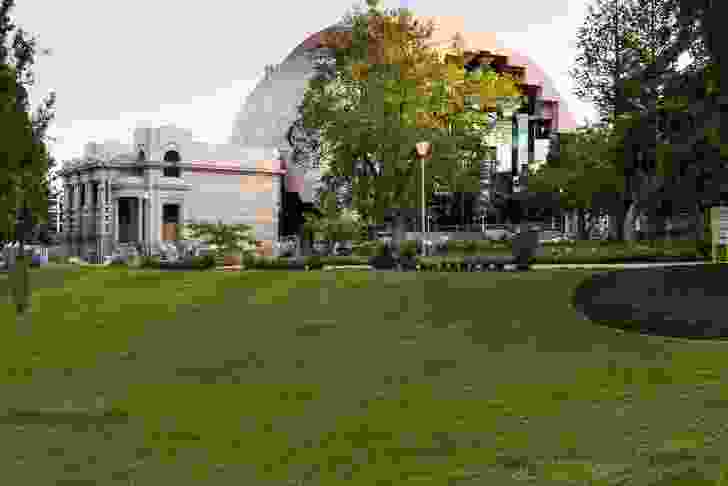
685, 302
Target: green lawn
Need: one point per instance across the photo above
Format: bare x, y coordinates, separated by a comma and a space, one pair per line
313, 377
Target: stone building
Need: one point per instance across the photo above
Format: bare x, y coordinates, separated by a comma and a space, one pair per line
115, 199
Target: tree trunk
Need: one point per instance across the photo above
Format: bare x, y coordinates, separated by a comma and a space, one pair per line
581, 224
655, 225
306, 246
462, 208
700, 222
628, 229
20, 272
616, 221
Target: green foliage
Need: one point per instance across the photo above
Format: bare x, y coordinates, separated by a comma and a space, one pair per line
387, 93
273, 263
24, 159
204, 262
615, 38
334, 226
368, 248
409, 249
585, 171
58, 259
227, 238
149, 262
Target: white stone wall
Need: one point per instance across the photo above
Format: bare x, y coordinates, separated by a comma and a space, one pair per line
246, 199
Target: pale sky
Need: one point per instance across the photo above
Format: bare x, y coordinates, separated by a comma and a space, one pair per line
115, 64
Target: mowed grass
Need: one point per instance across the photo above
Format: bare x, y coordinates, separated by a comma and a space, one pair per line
322, 378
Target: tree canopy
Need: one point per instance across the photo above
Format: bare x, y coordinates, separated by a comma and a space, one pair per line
387, 92
25, 177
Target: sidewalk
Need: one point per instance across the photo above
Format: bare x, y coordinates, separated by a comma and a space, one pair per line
559, 266
608, 266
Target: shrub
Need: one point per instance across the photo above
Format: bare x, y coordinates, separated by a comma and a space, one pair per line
249, 260
272, 263
383, 261
471, 247
205, 262
408, 249
149, 262
367, 248
344, 260
190, 263
56, 259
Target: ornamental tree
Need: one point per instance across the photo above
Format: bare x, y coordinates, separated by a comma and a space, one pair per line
226, 239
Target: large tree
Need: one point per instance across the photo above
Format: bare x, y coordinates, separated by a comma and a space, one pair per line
619, 38
25, 163
670, 163
389, 92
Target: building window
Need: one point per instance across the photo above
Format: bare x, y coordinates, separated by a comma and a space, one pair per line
171, 172
83, 194
107, 191
173, 169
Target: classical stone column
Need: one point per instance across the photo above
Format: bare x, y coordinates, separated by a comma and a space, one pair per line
115, 220
155, 205
67, 211
140, 219
101, 218
76, 215
88, 220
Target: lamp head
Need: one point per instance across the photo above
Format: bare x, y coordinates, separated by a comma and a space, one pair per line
423, 148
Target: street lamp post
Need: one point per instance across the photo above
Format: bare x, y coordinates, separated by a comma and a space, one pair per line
423, 150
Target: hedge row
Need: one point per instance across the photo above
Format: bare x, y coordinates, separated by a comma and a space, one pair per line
580, 252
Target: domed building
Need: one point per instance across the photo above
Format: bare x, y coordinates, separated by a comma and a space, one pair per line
520, 139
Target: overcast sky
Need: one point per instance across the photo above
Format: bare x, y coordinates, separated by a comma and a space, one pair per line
115, 64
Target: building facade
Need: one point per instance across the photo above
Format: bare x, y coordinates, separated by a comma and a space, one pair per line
139, 198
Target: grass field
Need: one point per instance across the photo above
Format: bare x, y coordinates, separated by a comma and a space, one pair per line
310, 378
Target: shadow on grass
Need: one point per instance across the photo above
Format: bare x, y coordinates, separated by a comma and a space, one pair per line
74, 417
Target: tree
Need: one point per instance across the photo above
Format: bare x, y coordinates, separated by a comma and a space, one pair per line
389, 92
700, 102
583, 172
618, 38
226, 239
344, 226
25, 161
